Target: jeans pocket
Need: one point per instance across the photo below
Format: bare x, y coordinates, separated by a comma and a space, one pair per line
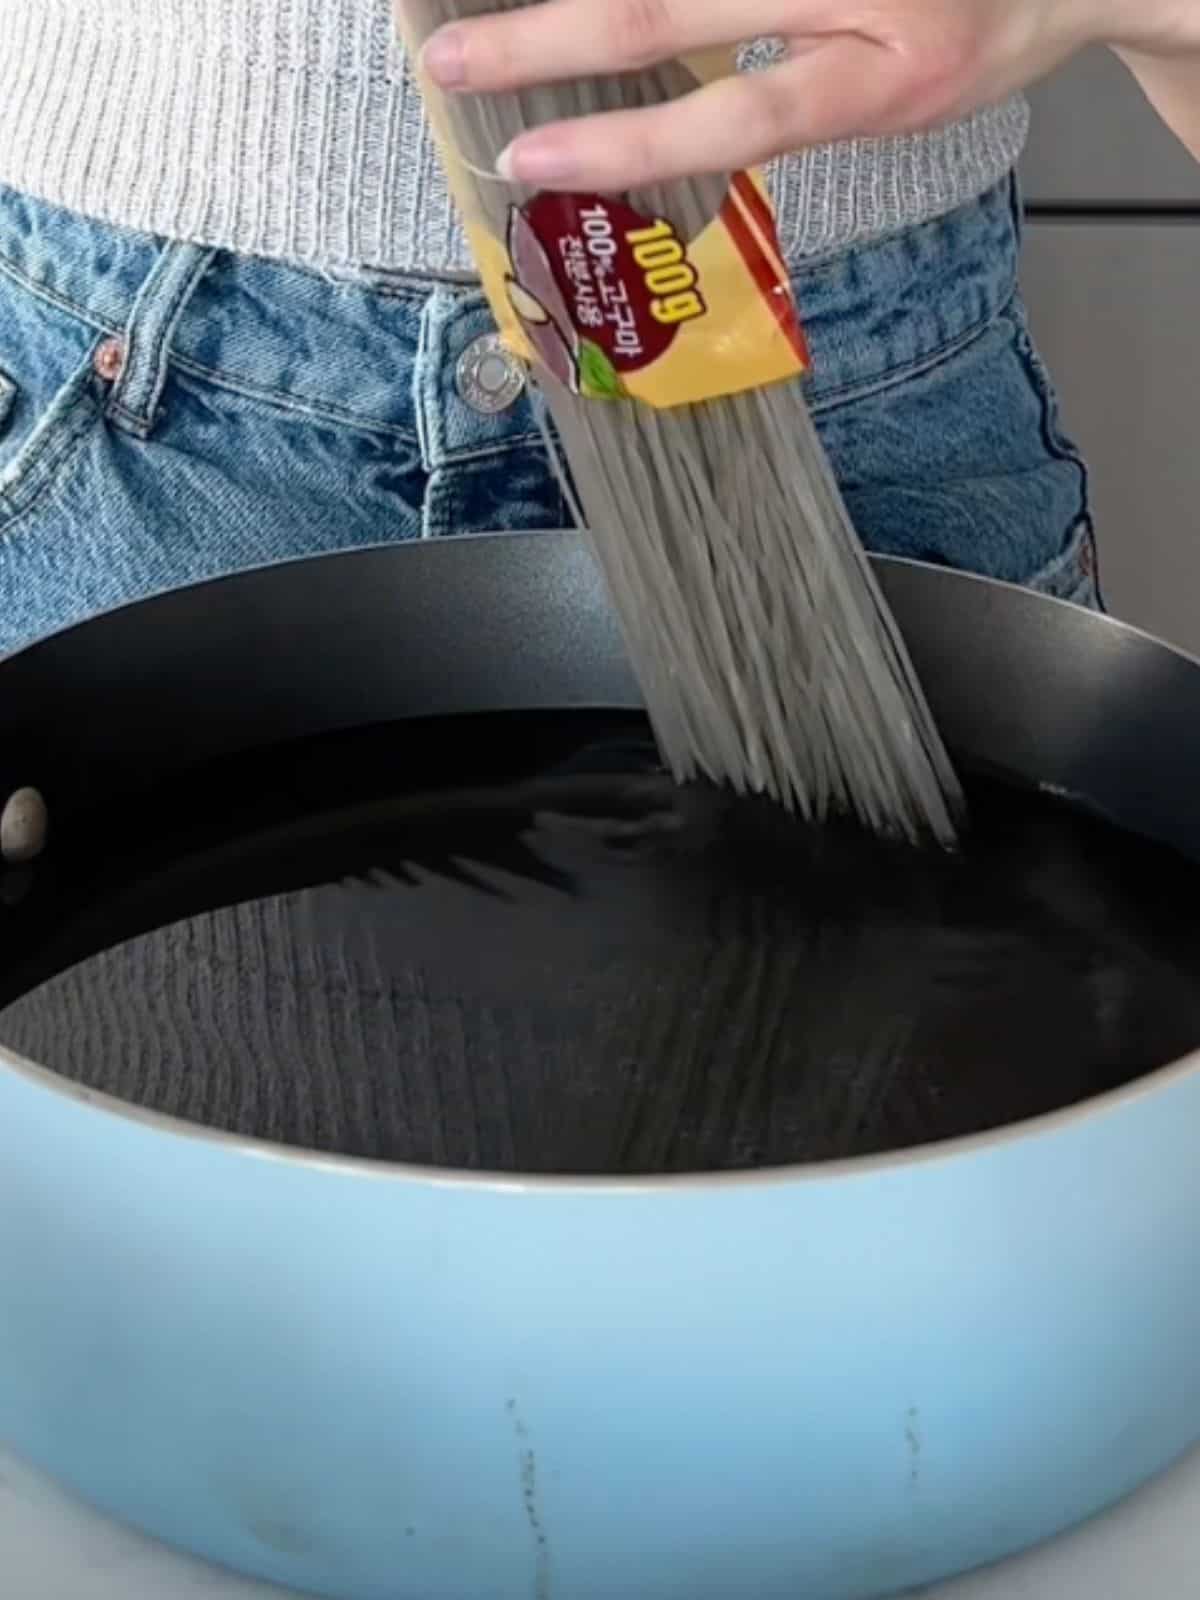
50, 394
964, 464
1059, 444
1072, 575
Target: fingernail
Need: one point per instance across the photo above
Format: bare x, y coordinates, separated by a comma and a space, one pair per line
445, 60
534, 160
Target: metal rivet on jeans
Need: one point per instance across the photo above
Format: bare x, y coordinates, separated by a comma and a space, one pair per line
109, 359
489, 378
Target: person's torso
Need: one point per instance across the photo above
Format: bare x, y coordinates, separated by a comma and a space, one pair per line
292, 129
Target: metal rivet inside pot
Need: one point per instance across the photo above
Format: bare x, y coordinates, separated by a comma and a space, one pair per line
489, 377
24, 823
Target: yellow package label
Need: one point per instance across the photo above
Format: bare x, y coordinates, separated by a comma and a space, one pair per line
615, 303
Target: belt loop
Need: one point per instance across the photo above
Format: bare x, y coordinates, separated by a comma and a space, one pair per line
161, 302
427, 379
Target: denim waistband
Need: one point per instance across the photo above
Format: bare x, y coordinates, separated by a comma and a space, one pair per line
351, 349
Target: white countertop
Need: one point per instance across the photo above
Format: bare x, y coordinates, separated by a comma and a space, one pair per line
52, 1548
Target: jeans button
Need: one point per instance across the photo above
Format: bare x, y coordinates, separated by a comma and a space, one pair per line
489, 378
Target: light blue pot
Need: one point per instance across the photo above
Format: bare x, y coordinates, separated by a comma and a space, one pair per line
389, 1384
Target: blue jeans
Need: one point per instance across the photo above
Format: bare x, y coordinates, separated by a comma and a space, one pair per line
168, 413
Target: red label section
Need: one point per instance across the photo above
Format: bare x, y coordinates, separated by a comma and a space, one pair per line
625, 279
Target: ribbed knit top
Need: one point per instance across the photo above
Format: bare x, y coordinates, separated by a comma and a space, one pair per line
293, 129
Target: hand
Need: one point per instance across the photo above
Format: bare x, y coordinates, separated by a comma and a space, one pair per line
1171, 82
854, 68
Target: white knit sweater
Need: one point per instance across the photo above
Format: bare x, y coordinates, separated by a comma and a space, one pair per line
292, 129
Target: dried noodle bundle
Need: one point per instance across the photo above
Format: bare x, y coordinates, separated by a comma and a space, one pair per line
765, 651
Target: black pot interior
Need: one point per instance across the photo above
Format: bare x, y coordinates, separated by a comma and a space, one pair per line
372, 855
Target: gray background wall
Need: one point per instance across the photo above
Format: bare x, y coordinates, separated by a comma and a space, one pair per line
1112, 278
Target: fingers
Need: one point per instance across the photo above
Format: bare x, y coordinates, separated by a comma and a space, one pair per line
564, 39
840, 89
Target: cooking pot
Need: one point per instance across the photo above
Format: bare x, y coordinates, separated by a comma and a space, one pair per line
384, 1383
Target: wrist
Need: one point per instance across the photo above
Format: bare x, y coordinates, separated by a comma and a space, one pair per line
1170, 80
1147, 27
